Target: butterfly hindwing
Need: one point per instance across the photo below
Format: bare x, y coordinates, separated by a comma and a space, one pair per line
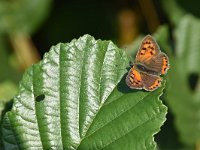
165, 64
134, 79
158, 64
151, 82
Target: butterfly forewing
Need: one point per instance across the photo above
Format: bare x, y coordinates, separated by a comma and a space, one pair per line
148, 49
151, 57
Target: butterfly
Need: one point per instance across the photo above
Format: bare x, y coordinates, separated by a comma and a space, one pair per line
149, 64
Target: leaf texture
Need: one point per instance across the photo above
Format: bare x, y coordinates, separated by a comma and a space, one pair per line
73, 99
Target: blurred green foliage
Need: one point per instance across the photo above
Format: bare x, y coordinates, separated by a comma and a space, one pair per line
178, 37
183, 92
24, 17
8, 72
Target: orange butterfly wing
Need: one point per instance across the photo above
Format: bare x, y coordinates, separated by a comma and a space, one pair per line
151, 57
152, 64
134, 79
148, 49
151, 82
165, 66
141, 80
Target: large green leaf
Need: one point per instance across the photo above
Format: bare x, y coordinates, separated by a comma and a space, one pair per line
73, 99
183, 90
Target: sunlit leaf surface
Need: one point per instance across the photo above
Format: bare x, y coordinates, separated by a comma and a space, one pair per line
76, 98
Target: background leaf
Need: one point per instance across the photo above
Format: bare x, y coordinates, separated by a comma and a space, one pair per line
72, 100
18, 16
184, 76
173, 10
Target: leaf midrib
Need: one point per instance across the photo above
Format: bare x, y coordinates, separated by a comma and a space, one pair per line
99, 92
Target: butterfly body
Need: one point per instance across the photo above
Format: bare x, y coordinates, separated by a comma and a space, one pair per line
149, 64
145, 69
